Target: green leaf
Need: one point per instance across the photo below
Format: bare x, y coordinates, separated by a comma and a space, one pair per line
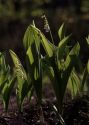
88, 66
62, 46
83, 83
35, 69
7, 92
30, 93
19, 68
30, 55
28, 38
74, 52
48, 47
33, 34
2, 85
4, 71
25, 90
69, 64
87, 39
47, 69
74, 83
23, 87
61, 32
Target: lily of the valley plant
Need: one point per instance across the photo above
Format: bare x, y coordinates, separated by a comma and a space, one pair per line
59, 62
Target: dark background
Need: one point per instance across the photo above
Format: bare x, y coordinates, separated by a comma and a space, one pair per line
16, 15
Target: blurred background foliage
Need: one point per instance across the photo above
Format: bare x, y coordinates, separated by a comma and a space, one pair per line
16, 15
21, 9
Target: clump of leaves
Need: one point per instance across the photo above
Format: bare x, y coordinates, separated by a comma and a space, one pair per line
58, 60
85, 74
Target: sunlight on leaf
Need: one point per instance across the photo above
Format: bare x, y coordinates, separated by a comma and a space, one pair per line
22, 87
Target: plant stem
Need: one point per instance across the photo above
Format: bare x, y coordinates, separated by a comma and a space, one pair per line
41, 116
51, 36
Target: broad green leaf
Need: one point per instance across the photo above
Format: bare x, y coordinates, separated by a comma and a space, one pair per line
35, 69
28, 38
7, 92
85, 73
62, 46
4, 71
23, 86
71, 61
48, 47
26, 88
36, 36
30, 55
69, 64
74, 52
19, 68
61, 31
47, 69
33, 34
2, 61
2, 85
4, 75
36, 73
64, 41
74, 83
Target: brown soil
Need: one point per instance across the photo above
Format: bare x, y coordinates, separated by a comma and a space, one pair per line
75, 112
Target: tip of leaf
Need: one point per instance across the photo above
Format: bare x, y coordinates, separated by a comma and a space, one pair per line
61, 31
11, 52
87, 39
33, 22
